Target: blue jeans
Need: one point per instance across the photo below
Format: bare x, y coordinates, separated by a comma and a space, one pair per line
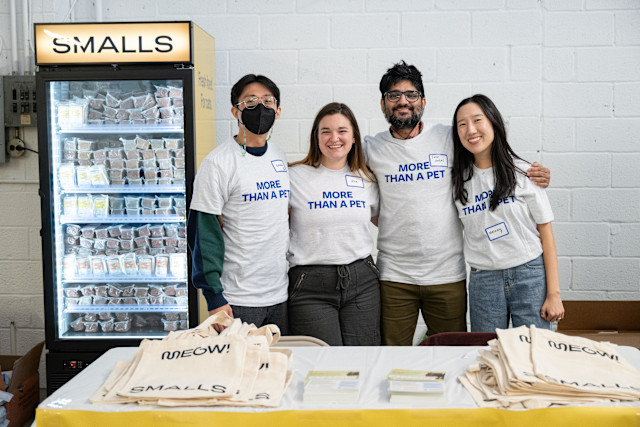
517, 293
339, 304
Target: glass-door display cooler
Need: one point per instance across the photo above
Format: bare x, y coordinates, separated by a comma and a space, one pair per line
119, 208
118, 157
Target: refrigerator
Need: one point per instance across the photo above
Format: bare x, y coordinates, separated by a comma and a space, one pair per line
121, 131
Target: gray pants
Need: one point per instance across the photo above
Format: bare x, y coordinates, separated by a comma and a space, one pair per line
260, 316
339, 304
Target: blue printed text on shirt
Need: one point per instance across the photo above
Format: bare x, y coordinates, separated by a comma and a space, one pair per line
273, 189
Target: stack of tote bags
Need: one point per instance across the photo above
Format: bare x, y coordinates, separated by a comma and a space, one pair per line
534, 368
199, 367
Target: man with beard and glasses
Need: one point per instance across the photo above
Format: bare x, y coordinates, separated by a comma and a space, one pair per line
238, 229
420, 245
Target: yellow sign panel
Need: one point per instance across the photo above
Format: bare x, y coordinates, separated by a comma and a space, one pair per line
113, 43
204, 75
204, 70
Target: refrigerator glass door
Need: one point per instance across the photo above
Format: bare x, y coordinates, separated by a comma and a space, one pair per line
119, 208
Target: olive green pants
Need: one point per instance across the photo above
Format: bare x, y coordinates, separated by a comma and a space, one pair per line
444, 309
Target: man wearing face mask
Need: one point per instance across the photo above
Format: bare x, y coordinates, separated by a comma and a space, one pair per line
238, 225
420, 250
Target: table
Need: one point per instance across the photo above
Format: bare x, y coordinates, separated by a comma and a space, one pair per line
69, 405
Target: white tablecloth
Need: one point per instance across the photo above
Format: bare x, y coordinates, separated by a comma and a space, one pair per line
373, 363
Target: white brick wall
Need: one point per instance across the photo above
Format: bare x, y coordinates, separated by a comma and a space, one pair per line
578, 100
559, 64
578, 29
364, 30
625, 171
627, 23
435, 29
624, 240
241, 61
525, 133
525, 63
595, 274
328, 6
563, 72
488, 64
608, 135
558, 135
289, 31
605, 205
605, 64
516, 28
625, 99
576, 170
582, 239
332, 66
522, 98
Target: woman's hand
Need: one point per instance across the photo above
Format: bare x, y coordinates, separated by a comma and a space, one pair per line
552, 309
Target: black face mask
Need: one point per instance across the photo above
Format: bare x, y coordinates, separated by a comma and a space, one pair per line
258, 120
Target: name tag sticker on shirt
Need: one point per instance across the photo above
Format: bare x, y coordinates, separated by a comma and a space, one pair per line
279, 165
497, 231
439, 160
354, 181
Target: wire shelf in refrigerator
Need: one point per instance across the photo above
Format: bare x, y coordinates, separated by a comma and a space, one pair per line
119, 219
113, 335
125, 279
122, 129
126, 308
126, 189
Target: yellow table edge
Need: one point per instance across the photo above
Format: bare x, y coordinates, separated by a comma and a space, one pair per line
562, 416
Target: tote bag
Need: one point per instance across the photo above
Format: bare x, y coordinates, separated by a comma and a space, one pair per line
188, 368
583, 365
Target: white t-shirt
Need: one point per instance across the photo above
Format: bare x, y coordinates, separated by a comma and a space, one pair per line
330, 215
506, 237
251, 193
419, 234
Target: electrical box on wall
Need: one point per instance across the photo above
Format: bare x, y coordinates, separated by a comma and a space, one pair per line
19, 101
17, 106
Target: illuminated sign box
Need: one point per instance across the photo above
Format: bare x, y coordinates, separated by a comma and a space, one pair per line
113, 43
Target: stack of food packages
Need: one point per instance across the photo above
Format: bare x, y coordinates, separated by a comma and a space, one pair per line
135, 161
108, 106
201, 367
534, 368
125, 251
122, 296
157, 250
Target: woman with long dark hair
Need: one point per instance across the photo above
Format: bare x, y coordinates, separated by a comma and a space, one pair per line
334, 293
508, 239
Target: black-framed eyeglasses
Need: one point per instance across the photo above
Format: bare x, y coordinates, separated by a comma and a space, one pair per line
252, 102
395, 95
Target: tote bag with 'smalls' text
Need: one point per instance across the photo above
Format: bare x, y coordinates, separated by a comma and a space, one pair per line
201, 367
257, 354
583, 364
174, 369
535, 368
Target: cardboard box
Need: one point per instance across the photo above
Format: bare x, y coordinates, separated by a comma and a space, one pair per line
25, 385
614, 321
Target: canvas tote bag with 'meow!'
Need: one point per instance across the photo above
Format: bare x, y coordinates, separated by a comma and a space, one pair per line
257, 353
174, 369
582, 364
494, 384
263, 383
